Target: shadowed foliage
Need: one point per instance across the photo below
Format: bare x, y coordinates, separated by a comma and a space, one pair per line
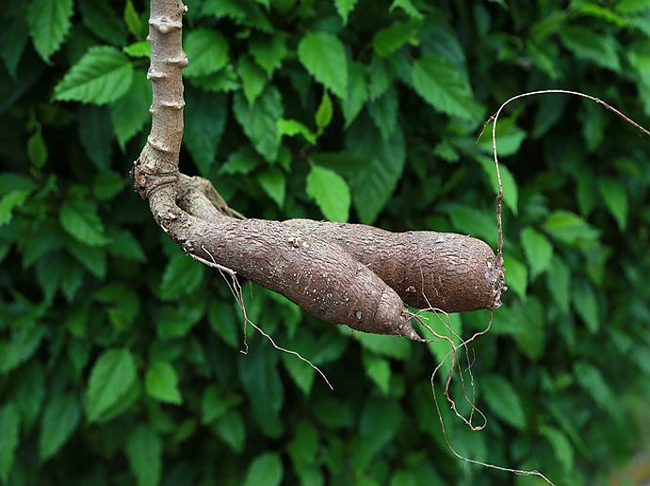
119, 355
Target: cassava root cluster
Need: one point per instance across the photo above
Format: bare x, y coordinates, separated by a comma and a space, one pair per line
342, 273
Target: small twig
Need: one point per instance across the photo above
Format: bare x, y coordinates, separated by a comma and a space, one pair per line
494, 118
221, 268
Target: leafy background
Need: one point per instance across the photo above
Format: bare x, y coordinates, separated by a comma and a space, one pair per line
119, 356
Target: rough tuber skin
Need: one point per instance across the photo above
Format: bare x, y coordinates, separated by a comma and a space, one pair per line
342, 273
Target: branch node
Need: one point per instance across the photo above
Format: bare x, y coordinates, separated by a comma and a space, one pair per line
180, 61
165, 25
158, 146
176, 105
146, 183
153, 75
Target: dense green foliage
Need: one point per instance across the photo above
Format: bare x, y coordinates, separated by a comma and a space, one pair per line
119, 356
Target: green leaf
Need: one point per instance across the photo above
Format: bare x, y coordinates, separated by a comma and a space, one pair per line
344, 7
24, 342
380, 422
79, 218
102, 20
597, 47
13, 181
559, 283
390, 39
509, 139
124, 304
60, 419
144, 451
443, 326
13, 40
404, 478
378, 370
49, 23
524, 321
587, 194
102, 75
49, 273
592, 381
9, 202
93, 258
357, 93
341, 162
107, 184
330, 192
253, 78
96, 135
407, 7
204, 127
632, 6
586, 304
560, 444
259, 375
301, 373
260, 119
293, 127
503, 399
125, 245
242, 161
473, 222
373, 185
213, 405
383, 112
111, 377
176, 322
324, 112
268, 52
592, 117
615, 198
440, 83
510, 191
138, 49
538, 250
517, 275
182, 276
10, 427
37, 150
243, 13
231, 429
323, 56
384, 345
130, 113
133, 21
304, 446
265, 470
207, 52
161, 383
568, 227
381, 76
28, 394
274, 184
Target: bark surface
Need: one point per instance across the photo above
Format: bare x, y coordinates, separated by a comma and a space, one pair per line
342, 273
